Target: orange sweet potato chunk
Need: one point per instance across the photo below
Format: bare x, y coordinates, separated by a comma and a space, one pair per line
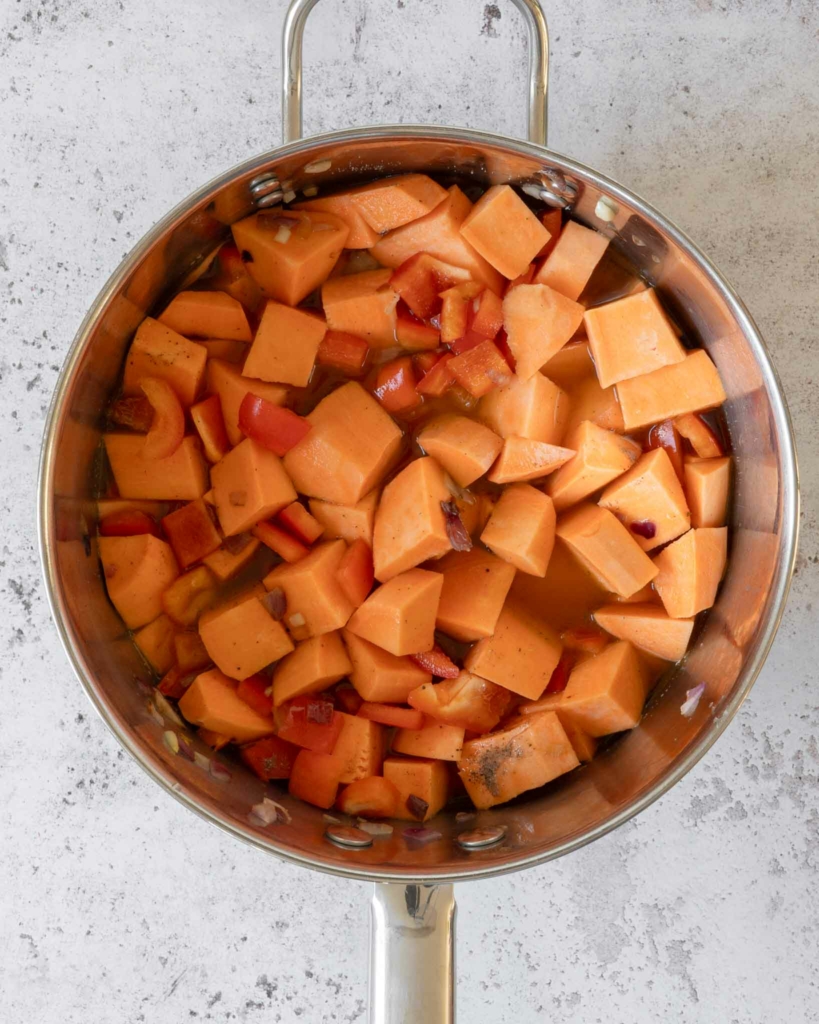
601, 456
422, 778
439, 234
156, 643
228, 382
689, 386
535, 408
361, 235
284, 349
690, 571
437, 740
647, 626
224, 348
242, 637
521, 654
380, 676
182, 476
521, 529
607, 549
571, 262
502, 228
524, 459
588, 401
137, 570
650, 492
584, 745
249, 484
225, 564
207, 315
158, 351
400, 615
211, 702
352, 445
572, 364
315, 664
409, 523
606, 693
464, 448
631, 337
391, 202
538, 321
360, 747
707, 485
529, 753
290, 262
473, 594
362, 304
316, 604
350, 522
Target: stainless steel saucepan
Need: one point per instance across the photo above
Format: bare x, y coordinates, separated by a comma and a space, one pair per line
413, 905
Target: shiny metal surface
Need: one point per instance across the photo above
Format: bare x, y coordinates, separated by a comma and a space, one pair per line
480, 838
412, 954
344, 835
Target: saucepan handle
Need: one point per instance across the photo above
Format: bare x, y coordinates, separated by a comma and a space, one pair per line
412, 958
292, 66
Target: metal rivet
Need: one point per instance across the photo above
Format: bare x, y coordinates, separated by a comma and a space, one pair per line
479, 838
266, 190
353, 838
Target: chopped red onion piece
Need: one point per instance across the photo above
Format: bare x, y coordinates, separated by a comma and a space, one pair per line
154, 713
463, 816
329, 818
320, 712
236, 544
644, 528
219, 772
421, 835
171, 741
416, 806
275, 603
271, 813
456, 531
201, 761
692, 699
164, 707
185, 748
375, 828
459, 492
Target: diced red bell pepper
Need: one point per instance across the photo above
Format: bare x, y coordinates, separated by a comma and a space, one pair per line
389, 714
347, 700
700, 436
424, 361
254, 692
420, 280
270, 758
213, 739
283, 543
480, 369
128, 523
168, 425
210, 425
414, 334
588, 639
175, 682
315, 778
455, 305
310, 722
189, 595
560, 676
439, 379
395, 386
272, 426
191, 532
552, 220
373, 797
487, 314
438, 663
191, 653
298, 521
355, 573
345, 352
665, 435
134, 412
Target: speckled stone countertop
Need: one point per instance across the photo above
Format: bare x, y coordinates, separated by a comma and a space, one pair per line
118, 906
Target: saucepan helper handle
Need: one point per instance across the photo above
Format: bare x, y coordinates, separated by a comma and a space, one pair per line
292, 68
412, 954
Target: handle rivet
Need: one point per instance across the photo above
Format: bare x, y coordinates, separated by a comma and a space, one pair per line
266, 190
348, 837
480, 838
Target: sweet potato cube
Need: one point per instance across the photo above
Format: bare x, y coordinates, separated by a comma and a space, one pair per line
535, 408
350, 522
211, 702
360, 747
434, 739
341, 205
647, 626
192, 533
468, 700
284, 349
606, 693
242, 637
426, 780
207, 315
474, 591
480, 369
707, 485
249, 484
315, 664
689, 386
191, 653
584, 746
156, 643
572, 364
300, 523
649, 493
538, 321
601, 456
224, 348
352, 445
137, 571
409, 522
529, 753
380, 676
521, 654
464, 448
524, 459
690, 571
521, 529
182, 476
315, 778
362, 304
316, 604
391, 202
588, 401
158, 351
228, 382
601, 543
226, 563
502, 228
288, 262
571, 262
631, 337
439, 234
400, 615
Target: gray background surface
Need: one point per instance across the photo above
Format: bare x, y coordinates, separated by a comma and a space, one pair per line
116, 905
